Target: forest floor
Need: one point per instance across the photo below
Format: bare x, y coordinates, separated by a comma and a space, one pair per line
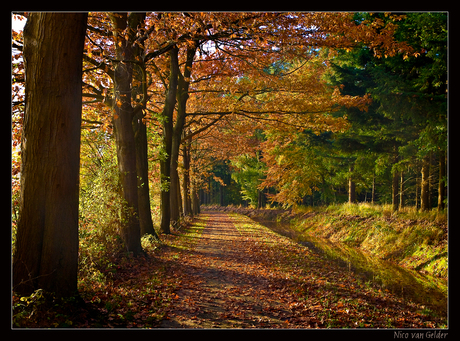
242, 275
227, 271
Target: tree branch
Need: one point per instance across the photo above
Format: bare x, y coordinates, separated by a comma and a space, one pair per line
98, 65
189, 136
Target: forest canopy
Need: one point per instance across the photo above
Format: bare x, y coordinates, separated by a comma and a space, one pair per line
278, 109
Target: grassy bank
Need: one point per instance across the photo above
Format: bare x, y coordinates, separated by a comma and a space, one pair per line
416, 240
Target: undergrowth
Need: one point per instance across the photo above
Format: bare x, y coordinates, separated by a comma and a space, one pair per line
115, 289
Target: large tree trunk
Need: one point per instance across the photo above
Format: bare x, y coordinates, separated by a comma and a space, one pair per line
424, 196
124, 135
46, 254
165, 163
182, 97
140, 135
145, 215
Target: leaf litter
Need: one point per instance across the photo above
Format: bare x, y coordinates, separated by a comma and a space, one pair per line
226, 271
242, 275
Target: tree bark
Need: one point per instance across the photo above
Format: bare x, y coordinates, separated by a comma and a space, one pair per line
373, 188
260, 199
394, 192
430, 181
401, 191
182, 97
441, 182
124, 134
351, 188
165, 163
425, 191
195, 201
46, 254
140, 135
186, 181
142, 167
416, 188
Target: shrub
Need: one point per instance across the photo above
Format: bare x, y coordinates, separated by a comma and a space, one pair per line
100, 209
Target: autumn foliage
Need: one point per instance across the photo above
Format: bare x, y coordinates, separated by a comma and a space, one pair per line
177, 105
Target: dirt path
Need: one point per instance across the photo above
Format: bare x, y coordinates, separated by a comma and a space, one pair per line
242, 275
225, 286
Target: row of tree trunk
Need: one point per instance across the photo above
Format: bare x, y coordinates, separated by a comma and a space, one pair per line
46, 250
398, 182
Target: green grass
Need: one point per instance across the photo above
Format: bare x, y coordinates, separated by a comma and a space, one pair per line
417, 240
368, 210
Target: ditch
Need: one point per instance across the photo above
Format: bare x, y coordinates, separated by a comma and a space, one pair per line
408, 284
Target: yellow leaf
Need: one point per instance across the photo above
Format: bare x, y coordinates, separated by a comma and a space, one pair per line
115, 116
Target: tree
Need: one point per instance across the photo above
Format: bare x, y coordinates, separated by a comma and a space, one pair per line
243, 43
46, 252
124, 114
168, 126
408, 104
116, 52
413, 90
249, 173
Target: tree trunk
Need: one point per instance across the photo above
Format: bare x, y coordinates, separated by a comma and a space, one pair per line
174, 191
195, 201
260, 199
394, 192
46, 254
425, 192
401, 191
373, 188
351, 188
430, 181
416, 188
142, 167
124, 135
165, 163
441, 182
186, 180
221, 195
182, 97
140, 134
